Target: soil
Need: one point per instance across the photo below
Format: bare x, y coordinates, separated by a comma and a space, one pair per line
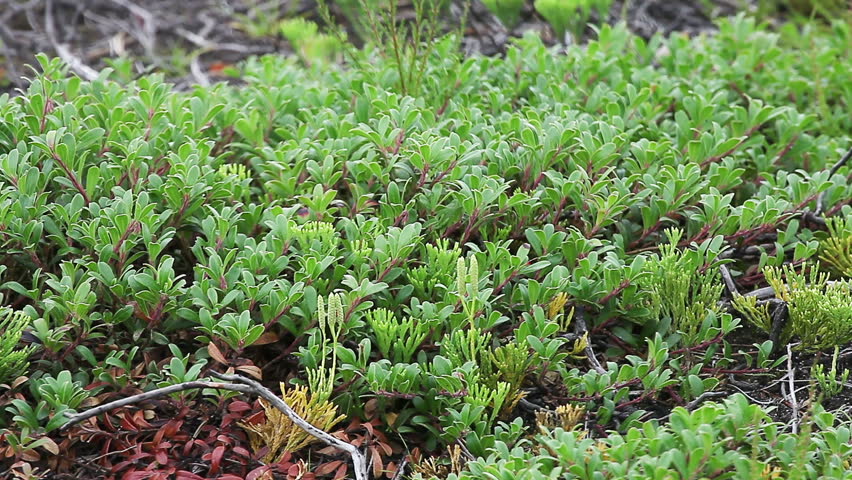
190, 40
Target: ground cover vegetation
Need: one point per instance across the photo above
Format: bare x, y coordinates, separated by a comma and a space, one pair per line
626, 259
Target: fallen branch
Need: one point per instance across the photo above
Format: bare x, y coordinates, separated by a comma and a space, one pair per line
530, 406
701, 398
198, 73
791, 377
580, 329
400, 470
729, 281
76, 64
80, 68
821, 199
780, 315
242, 385
768, 292
147, 35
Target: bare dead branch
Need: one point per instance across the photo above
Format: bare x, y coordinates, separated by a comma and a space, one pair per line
238, 384
198, 72
791, 378
400, 470
779, 319
62, 50
729, 282
843, 161
704, 396
211, 46
148, 35
358, 459
143, 397
80, 68
580, 329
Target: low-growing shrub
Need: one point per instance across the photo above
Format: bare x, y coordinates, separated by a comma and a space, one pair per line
434, 248
734, 439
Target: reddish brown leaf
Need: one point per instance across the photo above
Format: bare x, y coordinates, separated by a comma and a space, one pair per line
30, 456
390, 470
242, 451
328, 450
216, 354
127, 423
216, 459
19, 381
49, 445
266, 339
172, 428
341, 472
238, 406
328, 467
385, 448
218, 67
378, 465
255, 418
251, 370
261, 472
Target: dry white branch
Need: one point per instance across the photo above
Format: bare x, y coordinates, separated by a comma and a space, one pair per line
198, 73
148, 34
242, 385
580, 329
843, 161
76, 64
791, 378
80, 68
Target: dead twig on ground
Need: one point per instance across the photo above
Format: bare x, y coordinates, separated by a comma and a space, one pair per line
729, 282
400, 470
147, 36
238, 384
197, 72
580, 329
701, 398
820, 206
76, 64
779, 320
794, 404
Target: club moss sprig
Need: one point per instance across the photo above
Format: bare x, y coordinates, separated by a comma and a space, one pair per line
13, 357
820, 313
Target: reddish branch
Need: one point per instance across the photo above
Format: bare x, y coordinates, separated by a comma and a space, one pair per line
620, 288
71, 176
598, 396
733, 149
705, 344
